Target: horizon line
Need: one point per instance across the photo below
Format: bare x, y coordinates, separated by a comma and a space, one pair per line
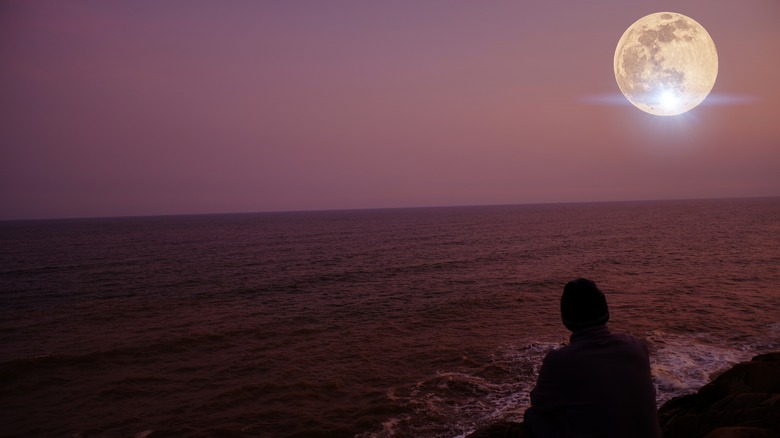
355, 209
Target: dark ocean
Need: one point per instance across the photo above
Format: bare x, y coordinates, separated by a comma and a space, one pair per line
379, 323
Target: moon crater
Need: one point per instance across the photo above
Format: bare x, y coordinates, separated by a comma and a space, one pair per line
666, 63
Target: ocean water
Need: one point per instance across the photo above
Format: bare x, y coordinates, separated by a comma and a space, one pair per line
377, 323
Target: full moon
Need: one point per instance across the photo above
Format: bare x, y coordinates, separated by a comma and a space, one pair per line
666, 63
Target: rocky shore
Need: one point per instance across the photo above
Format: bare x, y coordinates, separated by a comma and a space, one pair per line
743, 402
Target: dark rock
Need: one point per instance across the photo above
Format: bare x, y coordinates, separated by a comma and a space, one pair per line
743, 401
767, 357
676, 407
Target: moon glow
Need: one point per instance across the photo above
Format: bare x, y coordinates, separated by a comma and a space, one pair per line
666, 64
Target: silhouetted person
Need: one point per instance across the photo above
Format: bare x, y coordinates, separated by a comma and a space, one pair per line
597, 386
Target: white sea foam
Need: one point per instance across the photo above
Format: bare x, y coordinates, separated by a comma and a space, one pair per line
681, 364
469, 397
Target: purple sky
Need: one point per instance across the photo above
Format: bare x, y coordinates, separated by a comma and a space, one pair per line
163, 107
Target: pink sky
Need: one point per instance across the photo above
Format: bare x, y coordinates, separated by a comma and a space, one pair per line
148, 107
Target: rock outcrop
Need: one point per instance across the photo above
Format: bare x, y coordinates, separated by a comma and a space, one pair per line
743, 402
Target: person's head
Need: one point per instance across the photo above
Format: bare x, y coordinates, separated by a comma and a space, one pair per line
583, 305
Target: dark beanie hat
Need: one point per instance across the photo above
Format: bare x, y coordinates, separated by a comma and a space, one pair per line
583, 305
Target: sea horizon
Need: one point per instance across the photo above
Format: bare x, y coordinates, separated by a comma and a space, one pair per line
381, 208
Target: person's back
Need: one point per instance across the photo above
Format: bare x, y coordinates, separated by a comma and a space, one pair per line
597, 386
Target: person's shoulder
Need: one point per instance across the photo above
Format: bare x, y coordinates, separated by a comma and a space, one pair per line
557, 355
632, 341
629, 338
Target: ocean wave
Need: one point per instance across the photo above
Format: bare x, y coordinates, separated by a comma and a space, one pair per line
454, 402
450, 402
683, 363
